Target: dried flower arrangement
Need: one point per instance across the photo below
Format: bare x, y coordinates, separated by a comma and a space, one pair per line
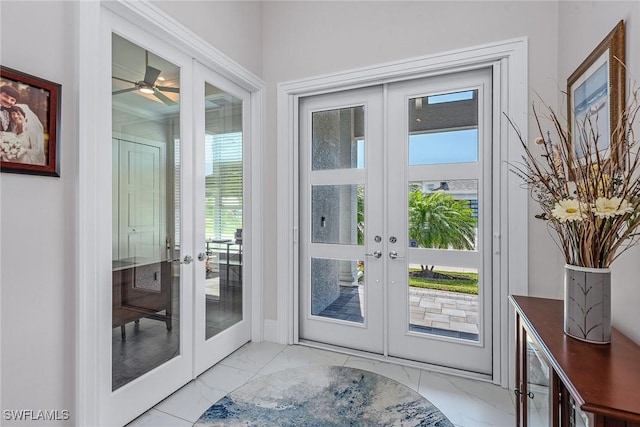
591, 201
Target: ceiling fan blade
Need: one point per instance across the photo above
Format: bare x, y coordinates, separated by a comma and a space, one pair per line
151, 75
168, 89
123, 91
123, 80
162, 97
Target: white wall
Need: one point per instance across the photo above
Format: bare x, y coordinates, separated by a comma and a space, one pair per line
38, 224
582, 26
304, 39
232, 27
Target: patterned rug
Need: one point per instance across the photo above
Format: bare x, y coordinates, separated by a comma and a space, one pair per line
323, 396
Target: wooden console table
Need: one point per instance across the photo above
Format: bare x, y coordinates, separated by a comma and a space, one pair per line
141, 288
585, 384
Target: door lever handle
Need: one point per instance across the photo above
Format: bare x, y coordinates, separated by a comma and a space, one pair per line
188, 259
375, 254
394, 255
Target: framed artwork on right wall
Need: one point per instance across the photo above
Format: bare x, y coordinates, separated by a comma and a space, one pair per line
596, 97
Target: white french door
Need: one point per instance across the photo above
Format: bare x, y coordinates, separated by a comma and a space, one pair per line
396, 219
439, 180
178, 301
222, 297
341, 183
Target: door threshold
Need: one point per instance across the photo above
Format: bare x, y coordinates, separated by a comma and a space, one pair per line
398, 361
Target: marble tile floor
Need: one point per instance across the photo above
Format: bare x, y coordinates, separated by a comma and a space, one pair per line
467, 403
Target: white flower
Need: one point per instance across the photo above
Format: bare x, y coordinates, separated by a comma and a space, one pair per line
568, 210
608, 208
10, 146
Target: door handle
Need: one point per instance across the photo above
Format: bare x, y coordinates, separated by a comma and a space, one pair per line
188, 259
375, 254
394, 255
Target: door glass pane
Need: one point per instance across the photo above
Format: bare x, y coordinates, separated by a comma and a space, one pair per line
443, 301
146, 200
337, 214
223, 209
443, 128
338, 139
538, 384
337, 289
443, 214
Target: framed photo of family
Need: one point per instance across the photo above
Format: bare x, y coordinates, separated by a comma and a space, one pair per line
596, 99
29, 124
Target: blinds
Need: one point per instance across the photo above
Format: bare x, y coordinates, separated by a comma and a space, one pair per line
223, 185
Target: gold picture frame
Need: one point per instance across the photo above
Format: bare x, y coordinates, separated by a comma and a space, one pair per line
596, 97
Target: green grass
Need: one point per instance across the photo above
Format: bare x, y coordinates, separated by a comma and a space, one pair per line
466, 283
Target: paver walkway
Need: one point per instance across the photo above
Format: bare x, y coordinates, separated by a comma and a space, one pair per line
439, 312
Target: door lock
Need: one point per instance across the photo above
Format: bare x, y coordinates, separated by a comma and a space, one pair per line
202, 256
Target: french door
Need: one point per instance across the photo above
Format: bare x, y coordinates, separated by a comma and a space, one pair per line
179, 291
222, 297
396, 219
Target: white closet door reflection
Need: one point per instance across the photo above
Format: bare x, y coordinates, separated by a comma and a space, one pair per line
223, 210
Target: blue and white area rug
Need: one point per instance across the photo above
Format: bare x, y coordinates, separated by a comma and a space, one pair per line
323, 396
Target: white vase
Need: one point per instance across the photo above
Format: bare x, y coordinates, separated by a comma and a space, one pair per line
587, 303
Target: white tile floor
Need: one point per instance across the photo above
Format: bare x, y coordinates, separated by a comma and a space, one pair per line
465, 402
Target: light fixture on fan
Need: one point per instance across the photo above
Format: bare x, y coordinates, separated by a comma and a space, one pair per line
145, 88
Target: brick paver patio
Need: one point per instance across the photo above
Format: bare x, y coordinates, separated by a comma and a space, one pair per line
438, 312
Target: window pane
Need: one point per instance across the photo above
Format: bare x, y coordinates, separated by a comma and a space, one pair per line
444, 301
223, 209
336, 289
338, 139
337, 214
443, 214
443, 129
146, 200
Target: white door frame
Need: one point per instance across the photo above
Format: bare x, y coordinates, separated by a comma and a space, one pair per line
94, 132
509, 61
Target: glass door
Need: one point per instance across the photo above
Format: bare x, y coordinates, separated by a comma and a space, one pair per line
221, 290
151, 349
395, 227
440, 221
341, 286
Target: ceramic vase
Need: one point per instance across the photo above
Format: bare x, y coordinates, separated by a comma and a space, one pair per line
587, 303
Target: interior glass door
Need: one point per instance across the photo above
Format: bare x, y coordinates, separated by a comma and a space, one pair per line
440, 221
222, 320
341, 287
145, 315
151, 263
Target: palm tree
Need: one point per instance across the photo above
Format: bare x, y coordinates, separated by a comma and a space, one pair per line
437, 220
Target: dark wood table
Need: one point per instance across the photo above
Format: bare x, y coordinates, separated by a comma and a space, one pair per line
603, 379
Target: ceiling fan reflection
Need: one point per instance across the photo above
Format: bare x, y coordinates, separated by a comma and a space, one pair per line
148, 84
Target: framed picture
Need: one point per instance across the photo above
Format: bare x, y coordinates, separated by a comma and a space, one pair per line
596, 99
29, 124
